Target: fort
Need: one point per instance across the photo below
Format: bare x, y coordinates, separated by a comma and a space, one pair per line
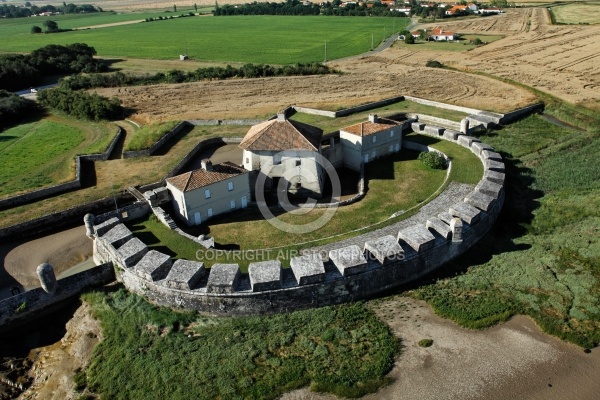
343, 271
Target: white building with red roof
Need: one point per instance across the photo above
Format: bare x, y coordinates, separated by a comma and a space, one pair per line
439, 34
370, 140
283, 149
204, 193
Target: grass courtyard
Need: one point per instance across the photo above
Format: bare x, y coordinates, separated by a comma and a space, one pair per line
42, 153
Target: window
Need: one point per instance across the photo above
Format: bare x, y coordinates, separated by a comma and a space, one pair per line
207, 194
247, 160
391, 150
277, 159
230, 186
209, 212
374, 139
298, 162
232, 204
391, 133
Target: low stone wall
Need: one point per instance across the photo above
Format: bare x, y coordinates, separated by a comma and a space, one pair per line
134, 211
213, 122
442, 105
521, 113
27, 306
314, 279
434, 120
62, 218
54, 190
351, 110
158, 144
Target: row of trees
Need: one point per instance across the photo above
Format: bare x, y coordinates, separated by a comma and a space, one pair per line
177, 76
12, 11
81, 104
19, 71
295, 7
14, 108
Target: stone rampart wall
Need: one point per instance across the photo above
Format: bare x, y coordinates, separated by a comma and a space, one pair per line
434, 120
344, 274
158, 144
521, 113
348, 111
28, 305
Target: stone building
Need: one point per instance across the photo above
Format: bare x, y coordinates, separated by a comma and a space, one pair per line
369, 140
215, 189
284, 149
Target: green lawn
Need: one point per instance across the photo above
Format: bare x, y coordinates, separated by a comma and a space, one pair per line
150, 352
41, 153
254, 39
146, 136
577, 13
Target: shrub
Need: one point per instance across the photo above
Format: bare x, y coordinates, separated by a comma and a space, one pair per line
409, 39
433, 159
425, 342
81, 104
434, 64
36, 29
80, 380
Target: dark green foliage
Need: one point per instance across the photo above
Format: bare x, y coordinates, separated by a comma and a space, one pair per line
51, 26
434, 64
13, 108
176, 76
144, 356
295, 7
36, 29
21, 71
409, 39
433, 159
81, 104
12, 11
425, 342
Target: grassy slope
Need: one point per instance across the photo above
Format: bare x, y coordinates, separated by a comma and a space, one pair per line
145, 137
577, 13
256, 39
543, 256
41, 153
155, 353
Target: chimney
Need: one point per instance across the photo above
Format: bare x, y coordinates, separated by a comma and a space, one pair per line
373, 118
206, 165
281, 116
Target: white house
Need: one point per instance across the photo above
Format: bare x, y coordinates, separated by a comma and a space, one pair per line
439, 34
285, 150
369, 140
204, 193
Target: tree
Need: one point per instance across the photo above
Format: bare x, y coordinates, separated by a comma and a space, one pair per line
174, 7
36, 29
409, 39
51, 26
196, 7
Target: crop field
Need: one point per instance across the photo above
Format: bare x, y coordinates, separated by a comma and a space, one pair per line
254, 39
577, 13
41, 153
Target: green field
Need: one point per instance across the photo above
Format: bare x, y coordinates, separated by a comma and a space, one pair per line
156, 353
253, 39
41, 153
578, 13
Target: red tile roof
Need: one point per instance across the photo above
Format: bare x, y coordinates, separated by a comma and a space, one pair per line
199, 178
440, 31
368, 128
277, 135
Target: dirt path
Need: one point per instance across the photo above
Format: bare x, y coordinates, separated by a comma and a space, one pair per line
62, 249
512, 360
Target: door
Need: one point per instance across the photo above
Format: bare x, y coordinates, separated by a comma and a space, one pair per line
244, 202
197, 218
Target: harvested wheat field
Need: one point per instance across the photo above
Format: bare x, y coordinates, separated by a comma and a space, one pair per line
369, 79
560, 60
